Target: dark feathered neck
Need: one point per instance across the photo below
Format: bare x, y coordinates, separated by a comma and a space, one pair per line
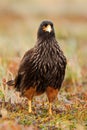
42, 41
46, 46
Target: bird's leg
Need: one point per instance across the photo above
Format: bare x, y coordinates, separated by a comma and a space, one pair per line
29, 94
29, 105
50, 108
51, 94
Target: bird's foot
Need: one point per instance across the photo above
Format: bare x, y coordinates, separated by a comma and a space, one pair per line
50, 110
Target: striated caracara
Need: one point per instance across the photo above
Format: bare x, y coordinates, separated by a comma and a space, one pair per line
42, 68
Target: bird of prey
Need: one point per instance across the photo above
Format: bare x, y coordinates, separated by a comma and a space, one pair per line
42, 68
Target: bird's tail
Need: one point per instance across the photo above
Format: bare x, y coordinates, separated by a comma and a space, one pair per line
10, 83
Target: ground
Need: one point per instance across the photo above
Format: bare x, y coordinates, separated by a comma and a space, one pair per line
18, 27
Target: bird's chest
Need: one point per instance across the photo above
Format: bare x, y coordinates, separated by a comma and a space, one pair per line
48, 61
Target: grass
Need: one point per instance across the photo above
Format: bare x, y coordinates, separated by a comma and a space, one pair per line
70, 109
68, 113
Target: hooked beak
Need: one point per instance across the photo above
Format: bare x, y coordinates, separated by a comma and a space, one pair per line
47, 28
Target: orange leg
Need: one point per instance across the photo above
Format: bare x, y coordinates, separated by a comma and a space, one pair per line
51, 94
29, 104
29, 94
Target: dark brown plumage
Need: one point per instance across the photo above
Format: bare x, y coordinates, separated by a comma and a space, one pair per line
42, 69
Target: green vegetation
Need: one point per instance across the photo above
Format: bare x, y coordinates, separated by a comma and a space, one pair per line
17, 34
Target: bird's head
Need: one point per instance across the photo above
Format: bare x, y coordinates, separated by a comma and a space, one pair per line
46, 30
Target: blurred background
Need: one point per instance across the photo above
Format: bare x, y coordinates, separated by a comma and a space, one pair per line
19, 22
